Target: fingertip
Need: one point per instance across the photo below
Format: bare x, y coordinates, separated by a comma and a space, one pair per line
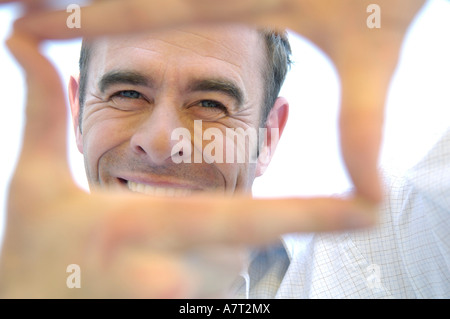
24, 48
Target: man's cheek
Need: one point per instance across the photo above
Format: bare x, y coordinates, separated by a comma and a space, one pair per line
104, 135
96, 142
230, 174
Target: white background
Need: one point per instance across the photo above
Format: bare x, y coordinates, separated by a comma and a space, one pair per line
307, 161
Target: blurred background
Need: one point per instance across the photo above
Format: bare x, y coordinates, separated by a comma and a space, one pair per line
307, 161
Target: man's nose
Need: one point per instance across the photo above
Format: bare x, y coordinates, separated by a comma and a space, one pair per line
153, 138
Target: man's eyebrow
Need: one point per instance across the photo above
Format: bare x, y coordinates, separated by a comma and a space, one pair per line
218, 85
122, 77
207, 85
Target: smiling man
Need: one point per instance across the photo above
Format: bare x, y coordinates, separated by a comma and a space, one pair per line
136, 91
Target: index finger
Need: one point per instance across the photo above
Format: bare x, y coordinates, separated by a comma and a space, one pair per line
44, 141
124, 16
32, 5
211, 220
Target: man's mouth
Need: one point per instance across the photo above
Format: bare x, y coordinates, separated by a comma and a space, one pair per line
160, 191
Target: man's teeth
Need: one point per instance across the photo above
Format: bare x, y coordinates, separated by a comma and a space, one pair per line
158, 191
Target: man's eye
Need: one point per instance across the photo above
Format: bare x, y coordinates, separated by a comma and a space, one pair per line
129, 94
213, 105
128, 100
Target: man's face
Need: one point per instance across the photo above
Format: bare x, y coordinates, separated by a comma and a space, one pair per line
142, 88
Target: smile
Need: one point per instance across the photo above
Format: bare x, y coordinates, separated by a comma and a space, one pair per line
158, 190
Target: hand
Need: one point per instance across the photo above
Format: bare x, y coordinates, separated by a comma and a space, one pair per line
130, 245
365, 58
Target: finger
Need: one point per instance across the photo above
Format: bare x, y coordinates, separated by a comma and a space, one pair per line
195, 273
41, 3
31, 5
213, 220
119, 16
366, 71
257, 222
21, 1
44, 139
142, 274
361, 123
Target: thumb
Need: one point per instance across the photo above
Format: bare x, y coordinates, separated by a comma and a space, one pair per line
44, 141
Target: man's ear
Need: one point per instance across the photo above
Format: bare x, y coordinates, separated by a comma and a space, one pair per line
275, 124
75, 110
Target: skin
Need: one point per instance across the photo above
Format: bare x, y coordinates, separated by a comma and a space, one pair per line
131, 139
138, 246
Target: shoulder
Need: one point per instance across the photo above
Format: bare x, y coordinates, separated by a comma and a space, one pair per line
418, 210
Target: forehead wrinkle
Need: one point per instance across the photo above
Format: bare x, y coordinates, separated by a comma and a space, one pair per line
212, 40
136, 47
202, 55
222, 60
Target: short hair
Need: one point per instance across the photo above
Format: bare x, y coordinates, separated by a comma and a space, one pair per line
278, 54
